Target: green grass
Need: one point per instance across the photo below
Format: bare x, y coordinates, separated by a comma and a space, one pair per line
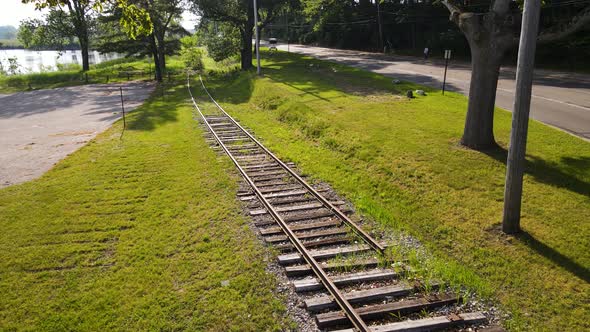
113, 71
400, 163
135, 234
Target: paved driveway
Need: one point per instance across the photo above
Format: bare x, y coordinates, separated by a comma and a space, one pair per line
559, 99
39, 128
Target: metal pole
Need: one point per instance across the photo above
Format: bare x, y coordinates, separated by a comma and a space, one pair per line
520, 118
257, 36
445, 78
123, 108
380, 26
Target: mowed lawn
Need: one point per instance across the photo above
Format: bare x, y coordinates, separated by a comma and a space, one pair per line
401, 164
135, 234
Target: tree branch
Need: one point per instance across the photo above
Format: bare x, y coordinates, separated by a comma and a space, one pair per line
454, 10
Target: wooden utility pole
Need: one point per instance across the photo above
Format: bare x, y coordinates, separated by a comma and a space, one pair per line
257, 30
380, 25
520, 116
287, 25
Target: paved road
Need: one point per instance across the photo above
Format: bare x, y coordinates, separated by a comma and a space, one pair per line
39, 128
559, 99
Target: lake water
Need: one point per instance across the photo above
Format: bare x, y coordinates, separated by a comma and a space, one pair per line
37, 61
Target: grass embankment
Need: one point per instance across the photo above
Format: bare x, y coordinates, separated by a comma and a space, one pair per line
133, 235
118, 70
400, 162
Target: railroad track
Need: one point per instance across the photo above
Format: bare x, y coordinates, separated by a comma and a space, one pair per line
337, 267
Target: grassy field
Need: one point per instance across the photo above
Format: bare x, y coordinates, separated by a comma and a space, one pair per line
109, 71
399, 161
135, 234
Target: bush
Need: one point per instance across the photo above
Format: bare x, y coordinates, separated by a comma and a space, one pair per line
192, 57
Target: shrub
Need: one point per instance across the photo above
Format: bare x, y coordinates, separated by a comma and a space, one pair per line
192, 57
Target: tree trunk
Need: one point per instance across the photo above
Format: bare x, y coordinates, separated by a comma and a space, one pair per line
246, 51
162, 53
85, 56
157, 63
479, 124
489, 35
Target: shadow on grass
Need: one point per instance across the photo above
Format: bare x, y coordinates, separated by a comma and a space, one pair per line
550, 253
561, 176
158, 110
323, 80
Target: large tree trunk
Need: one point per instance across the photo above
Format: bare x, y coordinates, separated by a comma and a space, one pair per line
161, 52
85, 56
479, 124
246, 51
247, 33
489, 35
157, 63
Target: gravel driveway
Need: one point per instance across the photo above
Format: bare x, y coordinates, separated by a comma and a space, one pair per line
40, 128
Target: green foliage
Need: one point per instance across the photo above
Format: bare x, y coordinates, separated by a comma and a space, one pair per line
221, 39
191, 54
135, 20
234, 24
55, 31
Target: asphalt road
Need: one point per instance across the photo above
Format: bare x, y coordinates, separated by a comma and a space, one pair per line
40, 128
559, 99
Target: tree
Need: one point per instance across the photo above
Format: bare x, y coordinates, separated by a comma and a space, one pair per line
76, 20
135, 20
239, 13
191, 55
163, 14
54, 32
490, 35
165, 17
223, 40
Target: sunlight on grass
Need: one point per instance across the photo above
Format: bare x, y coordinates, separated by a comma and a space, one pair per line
400, 163
139, 233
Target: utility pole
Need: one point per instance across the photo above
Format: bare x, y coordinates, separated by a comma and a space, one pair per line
287, 24
520, 117
257, 37
380, 26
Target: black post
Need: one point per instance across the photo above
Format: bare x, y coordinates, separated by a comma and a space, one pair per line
123, 108
445, 78
107, 78
150, 64
287, 24
128, 76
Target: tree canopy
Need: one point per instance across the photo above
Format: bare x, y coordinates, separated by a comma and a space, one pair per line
239, 14
134, 20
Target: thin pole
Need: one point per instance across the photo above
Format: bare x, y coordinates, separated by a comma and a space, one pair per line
380, 26
257, 36
123, 108
520, 118
287, 24
445, 78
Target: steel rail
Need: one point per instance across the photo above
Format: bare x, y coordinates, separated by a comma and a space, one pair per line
350, 312
360, 232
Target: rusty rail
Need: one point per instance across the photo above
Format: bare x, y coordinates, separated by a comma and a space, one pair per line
350, 312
